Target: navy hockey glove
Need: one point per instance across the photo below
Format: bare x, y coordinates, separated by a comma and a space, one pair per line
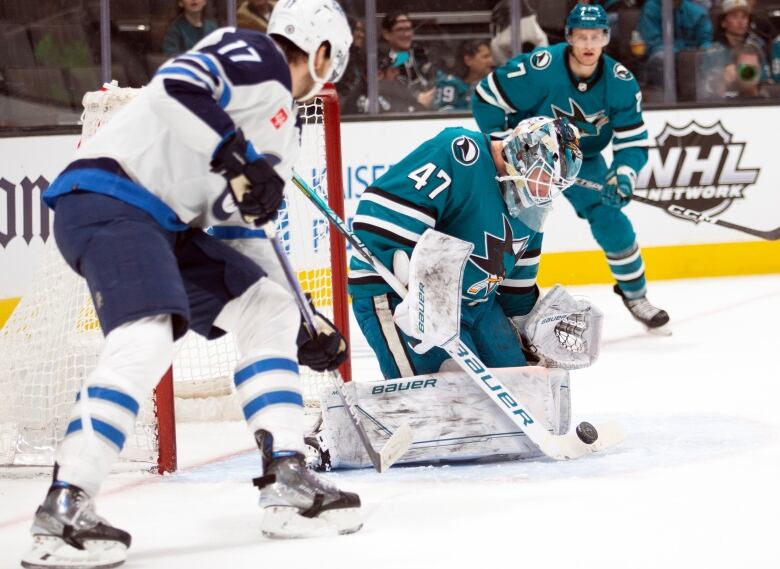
619, 186
256, 187
327, 350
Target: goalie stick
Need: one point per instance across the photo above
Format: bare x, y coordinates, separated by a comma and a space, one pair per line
400, 441
691, 215
582, 440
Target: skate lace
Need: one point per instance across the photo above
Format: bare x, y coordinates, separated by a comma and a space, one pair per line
642, 308
85, 512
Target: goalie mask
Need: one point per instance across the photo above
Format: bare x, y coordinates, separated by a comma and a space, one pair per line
543, 158
310, 23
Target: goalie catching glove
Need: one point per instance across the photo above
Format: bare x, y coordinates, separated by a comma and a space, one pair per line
326, 349
561, 330
256, 187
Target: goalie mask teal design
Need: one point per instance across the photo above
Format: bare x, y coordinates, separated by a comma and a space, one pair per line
543, 158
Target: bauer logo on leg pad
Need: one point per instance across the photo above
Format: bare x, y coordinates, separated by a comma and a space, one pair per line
403, 386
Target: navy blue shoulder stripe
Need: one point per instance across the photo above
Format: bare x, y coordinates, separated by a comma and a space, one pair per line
201, 103
249, 57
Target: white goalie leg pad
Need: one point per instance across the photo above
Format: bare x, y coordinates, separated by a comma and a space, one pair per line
265, 322
133, 359
450, 416
564, 331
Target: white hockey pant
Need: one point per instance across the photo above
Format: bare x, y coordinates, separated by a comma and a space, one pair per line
265, 322
133, 360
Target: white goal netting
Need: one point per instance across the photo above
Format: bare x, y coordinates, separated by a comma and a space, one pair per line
52, 341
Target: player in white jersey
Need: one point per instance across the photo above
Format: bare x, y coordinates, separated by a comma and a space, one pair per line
209, 142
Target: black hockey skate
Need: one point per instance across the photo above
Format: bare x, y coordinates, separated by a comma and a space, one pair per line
297, 502
67, 533
655, 319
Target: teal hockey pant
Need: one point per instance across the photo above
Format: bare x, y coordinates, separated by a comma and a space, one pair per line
490, 335
611, 228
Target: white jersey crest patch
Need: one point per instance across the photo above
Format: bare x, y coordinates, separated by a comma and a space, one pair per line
465, 150
621, 72
541, 59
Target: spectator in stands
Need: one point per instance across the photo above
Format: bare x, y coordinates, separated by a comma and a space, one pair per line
411, 61
188, 28
474, 60
692, 30
353, 84
254, 14
734, 31
742, 78
394, 95
531, 34
761, 23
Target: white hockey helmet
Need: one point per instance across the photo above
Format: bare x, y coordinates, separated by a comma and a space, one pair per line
542, 157
310, 23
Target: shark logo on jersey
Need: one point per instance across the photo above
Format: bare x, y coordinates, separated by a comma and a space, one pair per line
225, 205
589, 125
621, 72
541, 59
465, 150
493, 262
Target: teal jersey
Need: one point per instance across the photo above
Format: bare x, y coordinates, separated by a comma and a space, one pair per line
449, 183
607, 107
452, 93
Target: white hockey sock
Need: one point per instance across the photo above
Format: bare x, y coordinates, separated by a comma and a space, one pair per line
265, 322
133, 359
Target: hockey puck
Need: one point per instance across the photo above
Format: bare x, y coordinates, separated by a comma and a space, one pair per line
587, 433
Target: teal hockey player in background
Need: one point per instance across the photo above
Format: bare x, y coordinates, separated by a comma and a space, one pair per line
492, 193
576, 80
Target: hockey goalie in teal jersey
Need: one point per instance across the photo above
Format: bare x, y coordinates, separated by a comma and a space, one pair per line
494, 194
576, 80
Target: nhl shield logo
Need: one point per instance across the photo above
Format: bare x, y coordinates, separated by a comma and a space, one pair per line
465, 150
541, 59
695, 167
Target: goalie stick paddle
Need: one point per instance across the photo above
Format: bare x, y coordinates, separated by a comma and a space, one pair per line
400, 441
583, 440
691, 215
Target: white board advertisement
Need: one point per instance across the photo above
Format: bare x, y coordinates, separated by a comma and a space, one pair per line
722, 162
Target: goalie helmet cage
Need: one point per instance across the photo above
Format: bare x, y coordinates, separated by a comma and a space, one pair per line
52, 340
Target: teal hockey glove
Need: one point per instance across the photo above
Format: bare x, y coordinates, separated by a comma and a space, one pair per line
619, 186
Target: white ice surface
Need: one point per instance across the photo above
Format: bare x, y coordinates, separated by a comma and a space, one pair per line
695, 485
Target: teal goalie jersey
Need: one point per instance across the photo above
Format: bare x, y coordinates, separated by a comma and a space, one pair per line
449, 183
606, 107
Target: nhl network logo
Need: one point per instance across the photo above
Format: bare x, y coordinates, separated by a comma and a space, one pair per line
696, 167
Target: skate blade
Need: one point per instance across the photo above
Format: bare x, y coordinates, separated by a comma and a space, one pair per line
284, 522
49, 551
664, 330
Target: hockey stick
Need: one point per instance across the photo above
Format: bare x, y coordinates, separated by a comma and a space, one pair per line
401, 439
585, 439
691, 215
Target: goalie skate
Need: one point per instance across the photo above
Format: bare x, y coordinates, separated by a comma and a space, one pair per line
299, 503
655, 319
67, 533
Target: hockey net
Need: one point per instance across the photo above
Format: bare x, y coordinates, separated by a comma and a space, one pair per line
52, 340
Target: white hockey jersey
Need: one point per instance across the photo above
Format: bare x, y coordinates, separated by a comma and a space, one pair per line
155, 152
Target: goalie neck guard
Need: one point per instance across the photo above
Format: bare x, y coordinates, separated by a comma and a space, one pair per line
542, 158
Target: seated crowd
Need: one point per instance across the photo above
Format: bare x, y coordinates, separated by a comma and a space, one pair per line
723, 49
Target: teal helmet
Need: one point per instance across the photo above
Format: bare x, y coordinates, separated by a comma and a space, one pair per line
590, 16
